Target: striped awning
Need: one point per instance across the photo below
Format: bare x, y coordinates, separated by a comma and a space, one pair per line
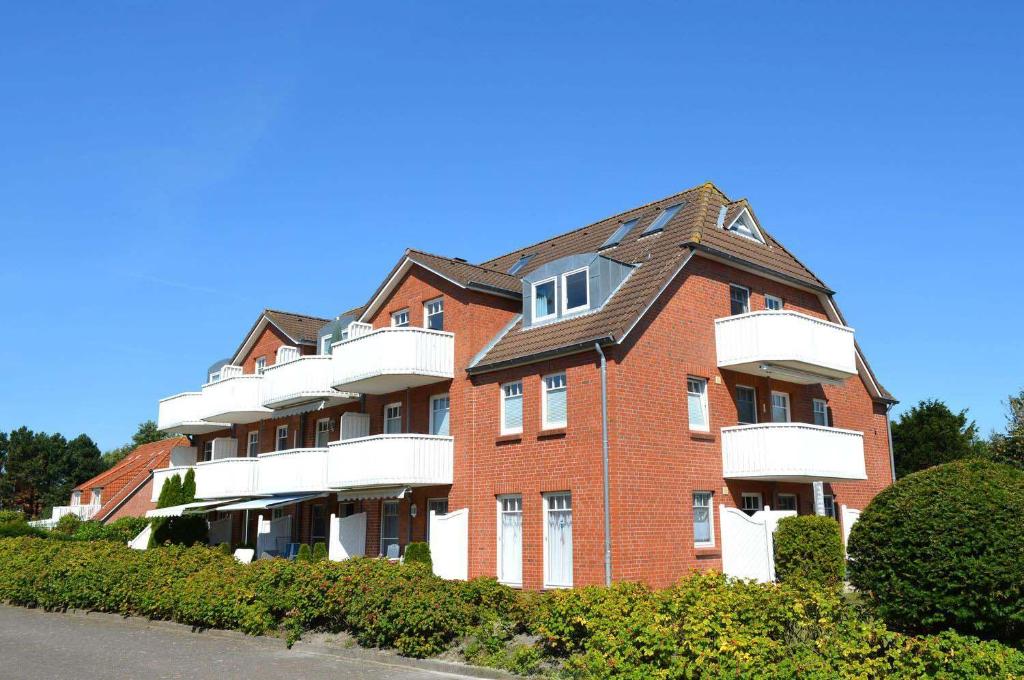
373, 493
179, 510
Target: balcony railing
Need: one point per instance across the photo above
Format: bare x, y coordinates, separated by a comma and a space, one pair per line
792, 452
183, 413
81, 511
410, 459
235, 398
293, 471
163, 474
391, 359
227, 478
301, 381
787, 345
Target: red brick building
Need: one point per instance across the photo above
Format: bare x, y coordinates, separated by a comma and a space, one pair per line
672, 359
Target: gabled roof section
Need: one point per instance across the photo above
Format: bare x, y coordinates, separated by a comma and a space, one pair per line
300, 329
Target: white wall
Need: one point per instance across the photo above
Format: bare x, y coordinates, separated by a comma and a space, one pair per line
347, 537
449, 544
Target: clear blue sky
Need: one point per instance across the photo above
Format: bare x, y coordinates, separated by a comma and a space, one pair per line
169, 169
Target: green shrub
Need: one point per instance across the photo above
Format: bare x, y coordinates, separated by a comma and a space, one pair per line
942, 548
184, 530
225, 548
418, 553
8, 516
305, 554
20, 528
125, 528
319, 551
809, 548
67, 525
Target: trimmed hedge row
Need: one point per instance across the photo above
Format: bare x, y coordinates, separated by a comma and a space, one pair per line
704, 626
809, 548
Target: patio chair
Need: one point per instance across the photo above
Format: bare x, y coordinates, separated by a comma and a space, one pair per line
393, 551
291, 551
245, 555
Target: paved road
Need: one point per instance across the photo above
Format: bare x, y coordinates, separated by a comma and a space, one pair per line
38, 645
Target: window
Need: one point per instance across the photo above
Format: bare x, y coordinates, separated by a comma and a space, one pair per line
97, 496
739, 300
751, 503
830, 505
76, 498
697, 403
659, 223
554, 401
325, 344
772, 302
512, 408
544, 300
576, 291
433, 315
558, 540
323, 433
440, 405
821, 412
786, 501
208, 450
400, 319
510, 540
746, 405
318, 522
214, 376
780, 407
703, 534
261, 365
438, 506
282, 438
346, 509
520, 263
254, 443
619, 234
389, 529
744, 226
393, 418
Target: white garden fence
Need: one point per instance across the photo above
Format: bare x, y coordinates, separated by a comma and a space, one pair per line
747, 546
449, 544
273, 535
848, 517
347, 537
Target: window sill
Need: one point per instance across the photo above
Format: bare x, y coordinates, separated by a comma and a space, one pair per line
509, 438
552, 433
707, 552
702, 436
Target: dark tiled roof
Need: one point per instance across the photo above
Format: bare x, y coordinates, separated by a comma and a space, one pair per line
298, 327
466, 274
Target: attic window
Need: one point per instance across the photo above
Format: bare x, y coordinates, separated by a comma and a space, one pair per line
520, 263
619, 234
744, 226
661, 220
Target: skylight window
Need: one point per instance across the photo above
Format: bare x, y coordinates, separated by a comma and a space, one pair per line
520, 263
659, 223
619, 234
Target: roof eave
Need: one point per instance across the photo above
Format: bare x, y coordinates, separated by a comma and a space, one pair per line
566, 350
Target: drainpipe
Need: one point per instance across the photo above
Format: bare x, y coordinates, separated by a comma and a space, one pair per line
888, 429
604, 462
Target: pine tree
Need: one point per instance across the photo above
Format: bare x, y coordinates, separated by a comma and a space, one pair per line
188, 487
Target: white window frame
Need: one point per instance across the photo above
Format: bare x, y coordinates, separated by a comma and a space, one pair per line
533, 299
738, 287
396, 316
259, 365
325, 344
754, 390
398, 527
751, 494
827, 500
789, 410
500, 512
278, 438
213, 376
97, 496
711, 519
326, 422
768, 299
504, 396
823, 404
427, 313
434, 398
76, 498
565, 291
394, 404
249, 444
704, 404
546, 497
208, 450
780, 496
544, 390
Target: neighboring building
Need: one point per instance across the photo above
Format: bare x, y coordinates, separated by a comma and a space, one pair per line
731, 379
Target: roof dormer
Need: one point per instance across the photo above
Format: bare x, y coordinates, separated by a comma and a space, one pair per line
570, 286
745, 225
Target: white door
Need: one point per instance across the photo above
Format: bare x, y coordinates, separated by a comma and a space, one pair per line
558, 540
510, 540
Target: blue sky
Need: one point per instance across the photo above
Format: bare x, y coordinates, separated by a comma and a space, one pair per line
169, 169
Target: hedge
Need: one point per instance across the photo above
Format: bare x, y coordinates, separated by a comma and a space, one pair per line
809, 548
944, 548
705, 626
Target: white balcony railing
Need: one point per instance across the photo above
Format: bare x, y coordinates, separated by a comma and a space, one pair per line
183, 413
235, 398
83, 512
226, 478
412, 459
293, 471
161, 475
299, 381
792, 452
787, 345
391, 359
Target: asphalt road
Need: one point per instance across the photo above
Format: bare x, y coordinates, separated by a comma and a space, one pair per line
38, 645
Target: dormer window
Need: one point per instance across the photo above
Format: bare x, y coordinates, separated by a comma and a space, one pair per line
619, 234
576, 291
745, 226
661, 220
544, 299
214, 376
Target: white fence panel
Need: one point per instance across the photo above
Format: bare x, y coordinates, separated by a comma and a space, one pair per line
747, 547
449, 544
848, 517
141, 542
273, 535
347, 537
220, 531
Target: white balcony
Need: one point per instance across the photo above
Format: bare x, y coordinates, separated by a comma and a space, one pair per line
84, 512
227, 478
390, 459
302, 380
163, 474
391, 359
792, 452
786, 345
183, 413
236, 398
293, 471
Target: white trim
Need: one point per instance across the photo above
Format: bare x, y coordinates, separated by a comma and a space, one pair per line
711, 518
408, 318
398, 526
259, 365
754, 390
249, 442
325, 344
752, 494
789, 408
758, 236
533, 300
544, 424
704, 404
500, 511
736, 285
565, 291
824, 409
277, 438
768, 296
384, 427
388, 287
250, 340
430, 404
503, 396
316, 433
544, 497
426, 312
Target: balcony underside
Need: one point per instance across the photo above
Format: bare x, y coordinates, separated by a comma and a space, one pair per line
386, 383
794, 477
791, 371
195, 427
331, 397
240, 417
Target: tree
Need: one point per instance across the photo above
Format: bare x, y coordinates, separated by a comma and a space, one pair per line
1009, 447
6, 487
28, 468
930, 434
146, 433
71, 463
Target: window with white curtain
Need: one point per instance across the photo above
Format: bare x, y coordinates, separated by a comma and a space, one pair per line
510, 540
703, 534
555, 406
512, 407
440, 406
697, 403
544, 300
393, 418
821, 412
558, 540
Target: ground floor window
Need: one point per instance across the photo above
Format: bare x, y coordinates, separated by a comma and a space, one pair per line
510, 540
558, 540
438, 506
703, 534
786, 501
752, 503
830, 506
318, 522
389, 529
346, 509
